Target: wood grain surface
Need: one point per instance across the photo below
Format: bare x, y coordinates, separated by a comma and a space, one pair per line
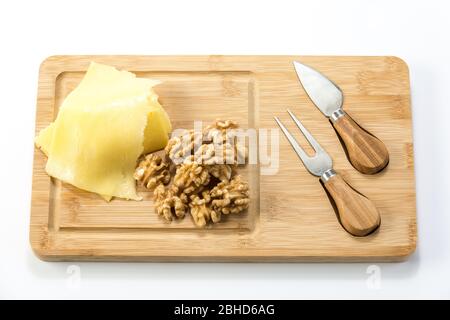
290, 217
365, 151
357, 214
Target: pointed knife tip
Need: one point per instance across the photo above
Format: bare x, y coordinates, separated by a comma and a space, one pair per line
299, 67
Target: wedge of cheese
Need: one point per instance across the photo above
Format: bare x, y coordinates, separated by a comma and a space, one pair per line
102, 127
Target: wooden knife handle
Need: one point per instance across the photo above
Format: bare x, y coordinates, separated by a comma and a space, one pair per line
357, 214
366, 152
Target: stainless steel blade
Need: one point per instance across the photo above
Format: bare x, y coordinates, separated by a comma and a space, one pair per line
322, 91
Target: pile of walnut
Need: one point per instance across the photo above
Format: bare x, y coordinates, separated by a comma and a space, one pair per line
203, 183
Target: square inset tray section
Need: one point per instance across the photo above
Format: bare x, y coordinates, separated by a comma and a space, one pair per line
187, 97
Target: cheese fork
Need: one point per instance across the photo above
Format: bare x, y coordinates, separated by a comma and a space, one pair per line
357, 214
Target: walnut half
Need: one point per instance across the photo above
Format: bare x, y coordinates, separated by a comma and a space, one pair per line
152, 171
230, 197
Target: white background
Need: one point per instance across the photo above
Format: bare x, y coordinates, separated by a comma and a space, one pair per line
417, 31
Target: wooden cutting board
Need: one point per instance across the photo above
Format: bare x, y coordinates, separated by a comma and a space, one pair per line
290, 216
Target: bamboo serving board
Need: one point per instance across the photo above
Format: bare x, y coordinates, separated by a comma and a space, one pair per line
290, 216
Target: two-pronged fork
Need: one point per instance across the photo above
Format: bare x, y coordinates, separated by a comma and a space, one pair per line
357, 214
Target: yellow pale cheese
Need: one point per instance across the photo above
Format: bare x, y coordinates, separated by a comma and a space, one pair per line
156, 133
44, 139
102, 127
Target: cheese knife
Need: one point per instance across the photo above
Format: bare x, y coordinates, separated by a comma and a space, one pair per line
365, 152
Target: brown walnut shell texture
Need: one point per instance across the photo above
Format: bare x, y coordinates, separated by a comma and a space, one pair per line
204, 181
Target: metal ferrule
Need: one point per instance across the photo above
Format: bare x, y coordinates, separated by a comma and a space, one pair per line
337, 114
327, 175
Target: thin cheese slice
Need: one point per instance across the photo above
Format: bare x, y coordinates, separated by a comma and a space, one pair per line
44, 139
102, 127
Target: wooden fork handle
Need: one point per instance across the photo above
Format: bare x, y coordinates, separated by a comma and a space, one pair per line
366, 152
357, 214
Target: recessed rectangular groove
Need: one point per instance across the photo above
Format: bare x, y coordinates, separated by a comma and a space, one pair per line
235, 90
